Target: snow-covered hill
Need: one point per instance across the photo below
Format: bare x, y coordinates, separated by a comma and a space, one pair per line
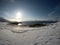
14, 35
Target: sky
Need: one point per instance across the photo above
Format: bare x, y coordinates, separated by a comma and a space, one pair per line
30, 9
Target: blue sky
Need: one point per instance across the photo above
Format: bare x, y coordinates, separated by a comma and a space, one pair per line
31, 9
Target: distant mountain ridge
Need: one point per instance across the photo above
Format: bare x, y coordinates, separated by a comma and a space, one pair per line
3, 20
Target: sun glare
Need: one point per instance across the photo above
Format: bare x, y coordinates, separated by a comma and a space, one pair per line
18, 16
19, 24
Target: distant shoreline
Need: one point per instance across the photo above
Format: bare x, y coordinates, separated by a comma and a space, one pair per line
32, 23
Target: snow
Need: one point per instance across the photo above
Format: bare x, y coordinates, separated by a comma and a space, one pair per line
15, 35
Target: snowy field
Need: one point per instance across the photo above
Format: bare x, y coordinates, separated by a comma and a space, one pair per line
15, 35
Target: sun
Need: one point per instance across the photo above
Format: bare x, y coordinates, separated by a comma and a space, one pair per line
18, 16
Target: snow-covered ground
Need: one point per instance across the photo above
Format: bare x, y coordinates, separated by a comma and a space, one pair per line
15, 35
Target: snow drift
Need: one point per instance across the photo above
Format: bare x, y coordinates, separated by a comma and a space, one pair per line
13, 35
